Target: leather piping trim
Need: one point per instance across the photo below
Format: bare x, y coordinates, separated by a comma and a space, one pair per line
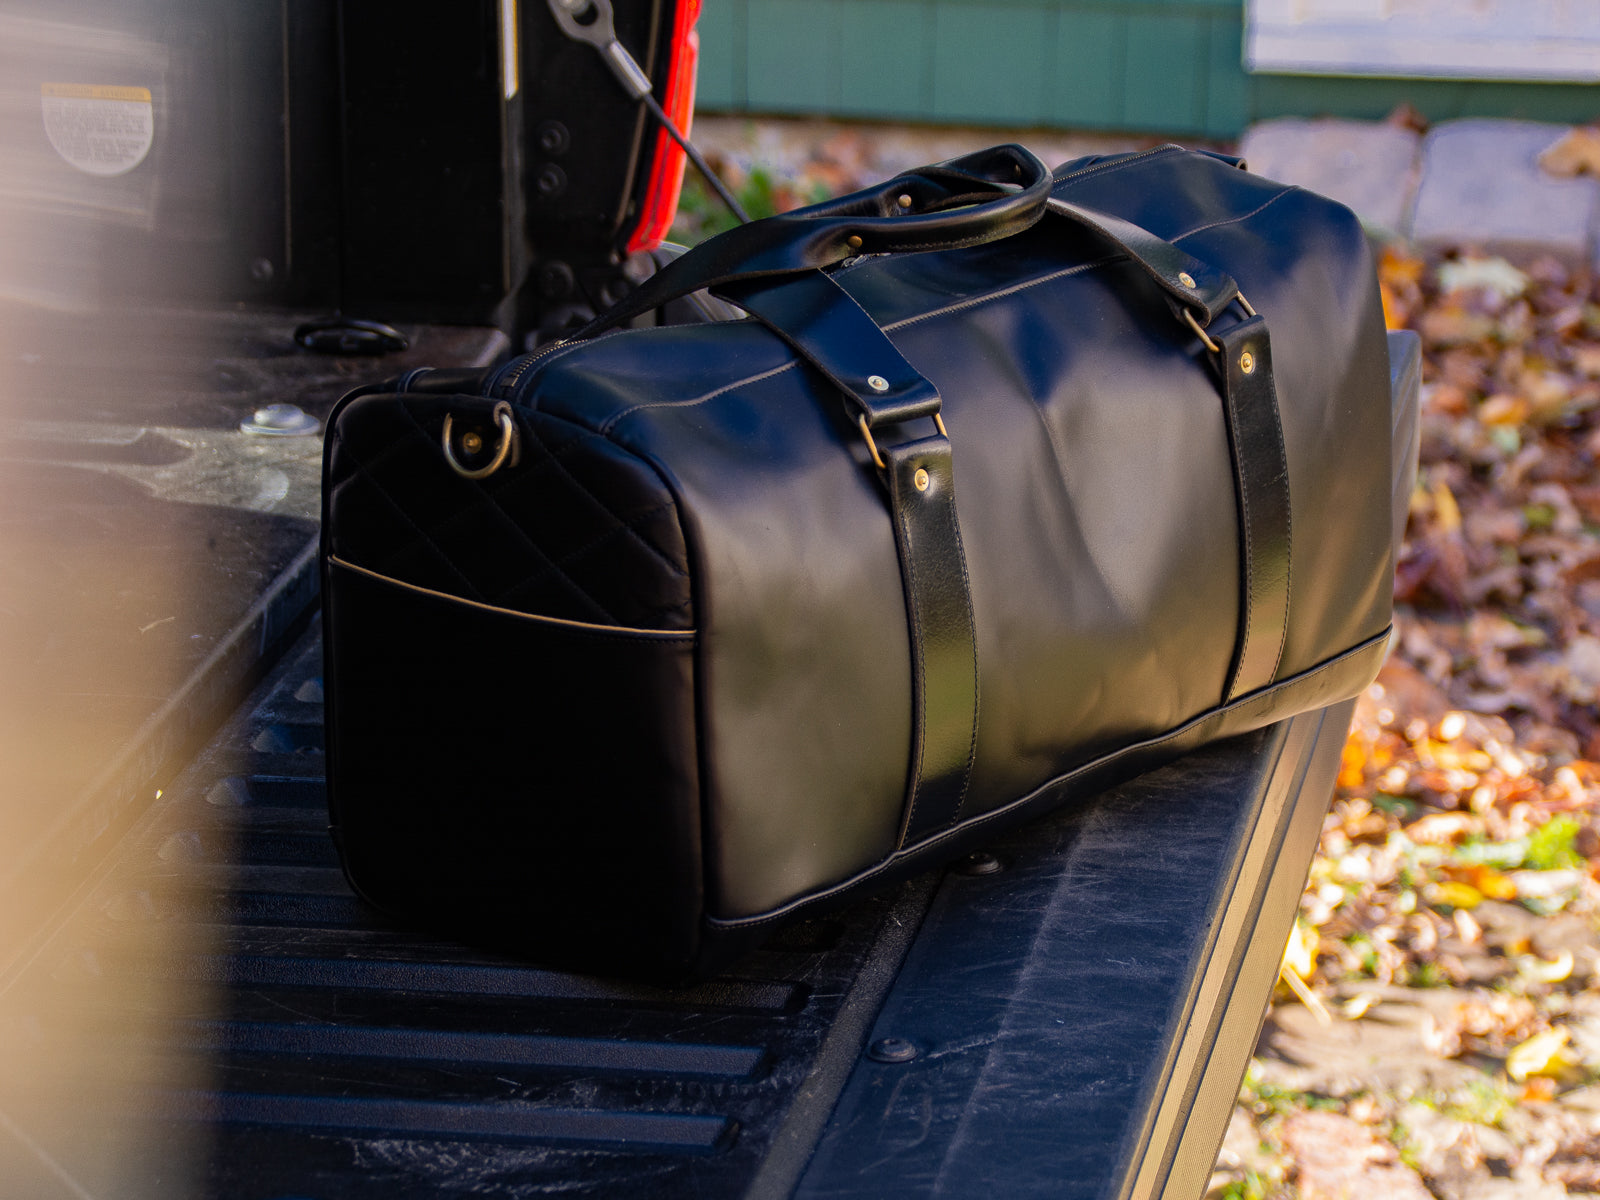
1001, 293
1276, 196
959, 306
1372, 647
654, 635
1113, 164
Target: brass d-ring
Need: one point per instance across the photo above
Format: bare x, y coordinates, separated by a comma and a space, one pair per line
508, 436
1204, 336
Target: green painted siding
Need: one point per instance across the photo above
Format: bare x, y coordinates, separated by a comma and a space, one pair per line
1086, 77
886, 59
991, 61
1159, 66
1164, 73
1228, 89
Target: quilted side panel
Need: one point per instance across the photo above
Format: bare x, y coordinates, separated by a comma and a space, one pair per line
575, 527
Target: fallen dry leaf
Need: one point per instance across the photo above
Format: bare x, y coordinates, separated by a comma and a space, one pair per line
1336, 1158
1493, 275
1538, 970
1542, 1054
1577, 153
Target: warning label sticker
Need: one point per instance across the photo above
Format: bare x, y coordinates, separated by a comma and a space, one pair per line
98, 129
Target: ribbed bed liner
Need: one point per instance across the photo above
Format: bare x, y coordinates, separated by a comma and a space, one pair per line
306, 1047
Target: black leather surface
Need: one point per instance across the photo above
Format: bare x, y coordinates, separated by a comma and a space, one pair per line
829, 330
545, 799
1097, 513
832, 333
1285, 247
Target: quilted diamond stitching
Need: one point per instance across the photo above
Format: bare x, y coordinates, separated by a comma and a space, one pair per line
369, 469
371, 480
589, 547
399, 457
517, 531
553, 459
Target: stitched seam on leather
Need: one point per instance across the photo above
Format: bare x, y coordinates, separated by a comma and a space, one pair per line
1106, 167
966, 584
978, 822
485, 501
661, 476
1249, 543
606, 426
1288, 534
521, 535
1234, 220
919, 690
972, 301
572, 556
618, 633
610, 422
372, 481
637, 536
554, 459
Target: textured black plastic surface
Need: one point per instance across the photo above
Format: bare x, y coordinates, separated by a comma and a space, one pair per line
1050, 1002
308, 1048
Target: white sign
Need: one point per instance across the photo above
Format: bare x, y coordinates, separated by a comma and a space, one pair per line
1452, 39
100, 130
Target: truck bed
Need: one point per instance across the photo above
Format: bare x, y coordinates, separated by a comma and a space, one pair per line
1067, 1014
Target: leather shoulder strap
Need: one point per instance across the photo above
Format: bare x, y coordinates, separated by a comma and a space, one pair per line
827, 328
1261, 484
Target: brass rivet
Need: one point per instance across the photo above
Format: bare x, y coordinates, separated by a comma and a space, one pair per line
920, 479
904, 201
1247, 362
1186, 279
854, 242
471, 442
877, 383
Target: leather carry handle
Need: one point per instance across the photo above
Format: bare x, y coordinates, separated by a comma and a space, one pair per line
884, 219
965, 201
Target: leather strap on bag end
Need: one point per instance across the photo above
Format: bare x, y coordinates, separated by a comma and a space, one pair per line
1261, 480
1255, 434
1192, 284
827, 328
836, 336
944, 658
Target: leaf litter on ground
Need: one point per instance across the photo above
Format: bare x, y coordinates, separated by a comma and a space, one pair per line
1464, 833
1462, 848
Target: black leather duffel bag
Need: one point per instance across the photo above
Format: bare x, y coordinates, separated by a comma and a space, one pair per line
650, 640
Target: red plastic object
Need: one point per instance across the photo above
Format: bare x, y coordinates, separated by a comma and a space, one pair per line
660, 204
